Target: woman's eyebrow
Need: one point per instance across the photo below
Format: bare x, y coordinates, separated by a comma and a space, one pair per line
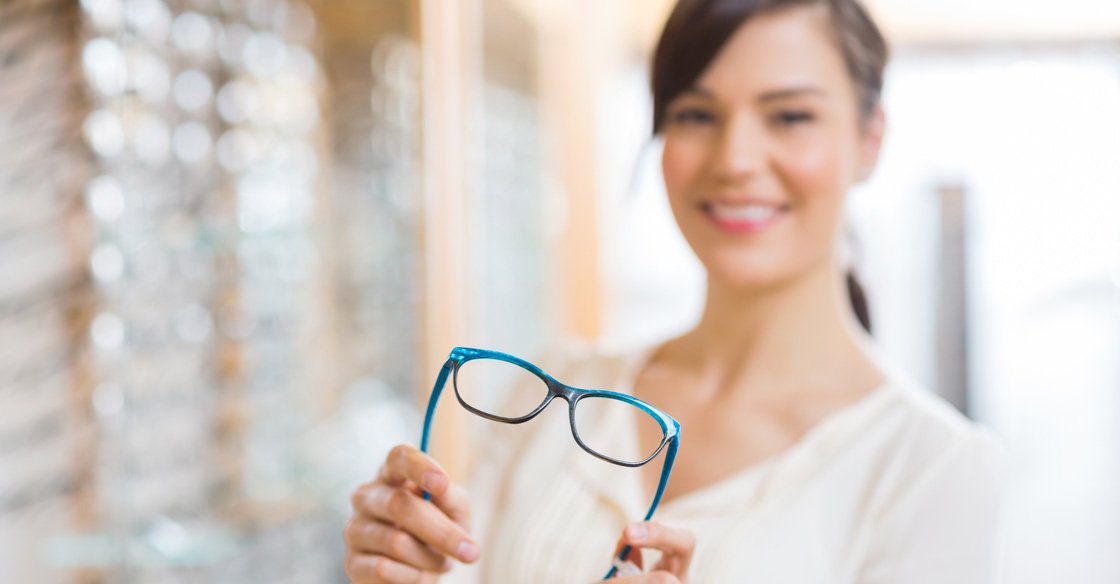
772, 95
791, 92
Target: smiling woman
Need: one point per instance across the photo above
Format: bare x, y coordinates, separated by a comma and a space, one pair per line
792, 99
804, 455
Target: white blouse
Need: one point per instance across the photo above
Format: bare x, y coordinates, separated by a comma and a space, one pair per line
897, 488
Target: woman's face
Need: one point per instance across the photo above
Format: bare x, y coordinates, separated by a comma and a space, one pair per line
760, 153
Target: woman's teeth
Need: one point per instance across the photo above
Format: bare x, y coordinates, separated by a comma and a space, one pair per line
752, 213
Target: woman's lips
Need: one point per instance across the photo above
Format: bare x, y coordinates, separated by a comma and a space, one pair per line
744, 217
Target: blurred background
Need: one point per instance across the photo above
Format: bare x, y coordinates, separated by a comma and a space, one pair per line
239, 237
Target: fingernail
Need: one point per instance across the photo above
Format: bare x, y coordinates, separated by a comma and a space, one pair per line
468, 552
636, 532
431, 481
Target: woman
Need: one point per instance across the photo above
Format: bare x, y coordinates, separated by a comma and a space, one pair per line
803, 457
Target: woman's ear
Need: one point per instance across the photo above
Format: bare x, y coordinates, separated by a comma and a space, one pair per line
871, 141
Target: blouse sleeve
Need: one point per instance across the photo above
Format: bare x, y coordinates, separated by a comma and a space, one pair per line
946, 526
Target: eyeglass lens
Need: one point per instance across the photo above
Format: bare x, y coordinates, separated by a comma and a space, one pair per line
506, 390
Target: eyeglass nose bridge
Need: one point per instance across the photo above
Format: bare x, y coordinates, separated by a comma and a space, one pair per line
564, 392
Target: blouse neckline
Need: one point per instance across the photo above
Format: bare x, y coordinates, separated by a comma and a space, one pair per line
844, 416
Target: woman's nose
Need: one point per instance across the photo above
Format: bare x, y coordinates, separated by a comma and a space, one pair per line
739, 154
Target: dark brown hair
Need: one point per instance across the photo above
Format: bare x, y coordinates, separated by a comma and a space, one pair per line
698, 29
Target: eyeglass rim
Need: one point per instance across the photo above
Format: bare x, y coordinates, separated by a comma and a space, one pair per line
670, 428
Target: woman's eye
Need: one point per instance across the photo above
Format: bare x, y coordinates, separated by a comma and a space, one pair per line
792, 118
692, 115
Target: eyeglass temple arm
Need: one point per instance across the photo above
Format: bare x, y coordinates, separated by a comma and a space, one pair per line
429, 415
670, 456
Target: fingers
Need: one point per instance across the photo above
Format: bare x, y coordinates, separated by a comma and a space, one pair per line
658, 577
422, 519
625, 568
455, 503
395, 536
407, 466
668, 539
367, 569
633, 557
676, 545
407, 463
367, 536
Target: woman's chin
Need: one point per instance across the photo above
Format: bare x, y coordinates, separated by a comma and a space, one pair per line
745, 275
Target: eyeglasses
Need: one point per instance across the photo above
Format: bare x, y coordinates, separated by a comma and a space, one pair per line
476, 373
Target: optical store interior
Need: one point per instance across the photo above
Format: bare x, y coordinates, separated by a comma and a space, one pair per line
238, 239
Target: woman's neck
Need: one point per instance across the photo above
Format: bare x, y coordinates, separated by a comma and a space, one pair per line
797, 335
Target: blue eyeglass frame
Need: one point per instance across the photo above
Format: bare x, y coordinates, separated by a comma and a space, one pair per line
671, 429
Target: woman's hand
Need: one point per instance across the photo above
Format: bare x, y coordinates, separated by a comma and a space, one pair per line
395, 536
676, 545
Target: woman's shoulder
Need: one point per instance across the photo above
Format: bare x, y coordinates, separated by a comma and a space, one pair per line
927, 420
924, 438
917, 418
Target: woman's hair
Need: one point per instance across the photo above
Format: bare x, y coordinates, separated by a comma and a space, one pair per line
698, 29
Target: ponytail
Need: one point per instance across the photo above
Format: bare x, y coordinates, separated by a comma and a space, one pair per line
859, 301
